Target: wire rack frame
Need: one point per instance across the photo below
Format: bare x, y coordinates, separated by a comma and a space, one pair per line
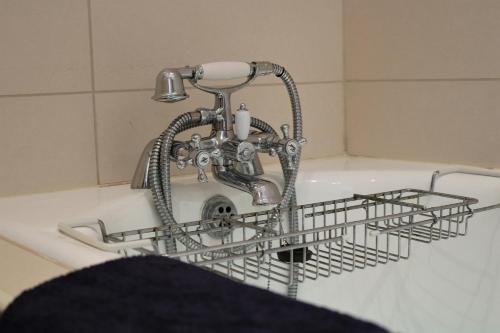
333, 236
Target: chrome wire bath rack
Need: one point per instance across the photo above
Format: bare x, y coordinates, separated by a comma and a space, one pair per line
331, 237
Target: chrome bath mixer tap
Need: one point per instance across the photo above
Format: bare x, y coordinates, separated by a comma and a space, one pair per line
231, 149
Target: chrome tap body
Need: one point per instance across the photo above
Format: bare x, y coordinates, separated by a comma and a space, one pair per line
234, 162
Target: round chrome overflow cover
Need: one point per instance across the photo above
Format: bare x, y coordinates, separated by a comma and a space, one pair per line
217, 208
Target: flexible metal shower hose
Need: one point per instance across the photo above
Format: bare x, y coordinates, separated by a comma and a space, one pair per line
289, 196
159, 171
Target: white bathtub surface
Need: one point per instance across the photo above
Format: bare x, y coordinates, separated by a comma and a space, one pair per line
447, 286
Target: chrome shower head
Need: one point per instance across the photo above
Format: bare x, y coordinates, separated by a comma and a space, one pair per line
169, 86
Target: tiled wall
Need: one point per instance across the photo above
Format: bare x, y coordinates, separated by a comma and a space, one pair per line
423, 80
76, 77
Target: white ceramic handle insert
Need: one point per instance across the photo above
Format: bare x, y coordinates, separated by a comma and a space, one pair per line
242, 122
226, 70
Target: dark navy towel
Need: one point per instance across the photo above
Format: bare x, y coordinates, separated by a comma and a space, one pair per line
155, 294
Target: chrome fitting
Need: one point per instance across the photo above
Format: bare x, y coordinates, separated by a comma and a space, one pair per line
263, 68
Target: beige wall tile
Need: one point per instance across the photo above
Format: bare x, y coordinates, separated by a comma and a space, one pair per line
133, 40
394, 39
322, 113
128, 120
44, 46
454, 122
47, 143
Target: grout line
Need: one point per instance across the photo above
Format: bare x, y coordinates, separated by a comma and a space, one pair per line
92, 83
98, 176
77, 92
344, 105
254, 85
49, 94
298, 83
91, 46
122, 90
270, 84
104, 91
115, 183
342, 25
344, 86
481, 79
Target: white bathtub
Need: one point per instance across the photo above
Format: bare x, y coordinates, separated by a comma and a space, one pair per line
446, 286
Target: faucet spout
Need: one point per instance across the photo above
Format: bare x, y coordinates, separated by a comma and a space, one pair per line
140, 179
263, 191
